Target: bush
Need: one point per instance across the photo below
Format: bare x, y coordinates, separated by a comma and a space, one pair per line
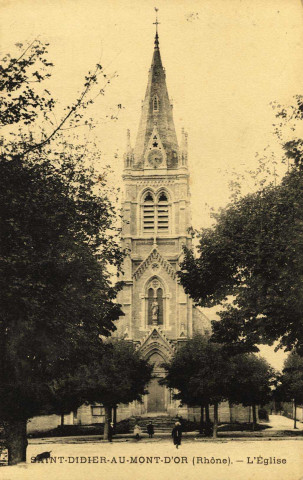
189, 425
263, 414
123, 427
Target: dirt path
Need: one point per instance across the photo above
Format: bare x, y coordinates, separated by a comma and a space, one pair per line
247, 460
279, 422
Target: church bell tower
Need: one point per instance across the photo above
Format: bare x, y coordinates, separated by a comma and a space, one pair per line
156, 218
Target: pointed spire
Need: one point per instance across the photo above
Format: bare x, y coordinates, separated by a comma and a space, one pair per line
157, 41
156, 111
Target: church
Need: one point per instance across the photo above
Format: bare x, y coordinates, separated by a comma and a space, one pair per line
156, 218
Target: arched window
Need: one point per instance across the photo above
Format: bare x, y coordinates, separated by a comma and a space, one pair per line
162, 213
160, 304
155, 103
150, 304
155, 213
148, 213
155, 308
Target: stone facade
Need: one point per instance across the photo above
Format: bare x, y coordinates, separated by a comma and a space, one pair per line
156, 219
158, 315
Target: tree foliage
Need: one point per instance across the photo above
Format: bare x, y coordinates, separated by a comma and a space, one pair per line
204, 372
58, 239
117, 374
250, 381
292, 378
20, 100
254, 253
290, 387
101, 379
200, 372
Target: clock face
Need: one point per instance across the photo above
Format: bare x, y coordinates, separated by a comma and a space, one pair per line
155, 158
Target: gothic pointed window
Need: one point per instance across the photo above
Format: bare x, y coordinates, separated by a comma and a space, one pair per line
160, 305
155, 303
148, 213
162, 213
150, 305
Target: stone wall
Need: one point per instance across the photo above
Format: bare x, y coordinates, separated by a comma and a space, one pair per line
84, 416
237, 413
201, 324
43, 423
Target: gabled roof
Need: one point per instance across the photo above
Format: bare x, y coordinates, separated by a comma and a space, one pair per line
154, 255
156, 340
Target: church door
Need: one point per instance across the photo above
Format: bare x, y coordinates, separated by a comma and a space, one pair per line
156, 397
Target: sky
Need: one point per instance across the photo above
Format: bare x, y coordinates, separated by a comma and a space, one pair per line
225, 61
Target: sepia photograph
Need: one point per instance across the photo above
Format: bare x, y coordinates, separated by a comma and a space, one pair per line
151, 239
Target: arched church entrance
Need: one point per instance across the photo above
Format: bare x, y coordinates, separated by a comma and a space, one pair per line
157, 394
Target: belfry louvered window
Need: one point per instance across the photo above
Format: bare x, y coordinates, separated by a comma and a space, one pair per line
162, 213
148, 213
155, 213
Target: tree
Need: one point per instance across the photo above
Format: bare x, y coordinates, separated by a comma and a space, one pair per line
100, 379
250, 382
57, 241
199, 371
67, 394
291, 386
254, 253
117, 374
248, 255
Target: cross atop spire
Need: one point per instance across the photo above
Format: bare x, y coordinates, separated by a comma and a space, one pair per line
156, 23
156, 115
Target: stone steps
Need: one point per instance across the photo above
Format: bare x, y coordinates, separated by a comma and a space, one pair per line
162, 423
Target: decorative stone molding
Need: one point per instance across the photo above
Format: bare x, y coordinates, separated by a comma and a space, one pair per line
155, 183
154, 257
156, 341
155, 267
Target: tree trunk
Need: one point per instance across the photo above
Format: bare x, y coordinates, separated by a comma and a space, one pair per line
107, 421
231, 413
207, 414
16, 441
295, 414
62, 420
254, 423
208, 424
215, 427
202, 419
115, 417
